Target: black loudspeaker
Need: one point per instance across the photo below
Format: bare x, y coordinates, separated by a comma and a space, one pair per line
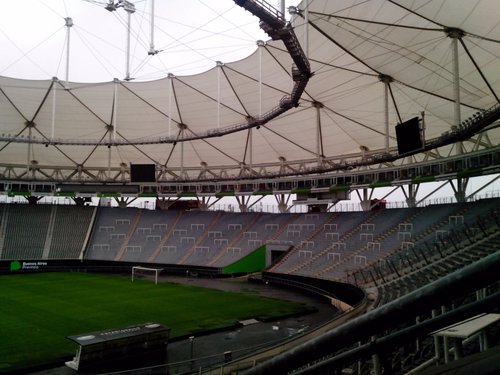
409, 136
142, 173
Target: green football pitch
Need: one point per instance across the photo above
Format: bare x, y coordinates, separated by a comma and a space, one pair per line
37, 311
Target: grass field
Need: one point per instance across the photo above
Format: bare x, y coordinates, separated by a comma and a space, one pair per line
37, 311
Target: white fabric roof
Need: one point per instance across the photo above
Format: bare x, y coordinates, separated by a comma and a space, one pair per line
350, 43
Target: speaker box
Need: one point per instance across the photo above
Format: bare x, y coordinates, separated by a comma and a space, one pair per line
142, 173
409, 136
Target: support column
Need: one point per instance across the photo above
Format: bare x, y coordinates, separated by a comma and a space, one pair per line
182, 128
54, 92
129, 8
250, 149
446, 349
33, 199
306, 30
460, 189
377, 368
319, 148
114, 120
483, 336
29, 156
203, 203
69, 24
282, 203
456, 34
242, 203
411, 195
152, 50
365, 200
260, 45
437, 351
108, 174
122, 203
170, 88
282, 160
417, 340
386, 80
113, 126
462, 186
219, 69
123, 171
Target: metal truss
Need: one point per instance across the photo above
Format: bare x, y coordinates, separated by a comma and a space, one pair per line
481, 158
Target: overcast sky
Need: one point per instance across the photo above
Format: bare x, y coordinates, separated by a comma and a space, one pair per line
190, 35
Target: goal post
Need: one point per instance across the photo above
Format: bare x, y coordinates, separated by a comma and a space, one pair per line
140, 270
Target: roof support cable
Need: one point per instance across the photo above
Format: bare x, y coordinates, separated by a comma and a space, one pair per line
415, 13
126, 141
237, 96
44, 99
71, 92
391, 24
347, 51
478, 69
91, 151
12, 104
219, 150
171, 150
176, 102
395, 104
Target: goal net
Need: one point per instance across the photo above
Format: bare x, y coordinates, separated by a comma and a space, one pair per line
140, 271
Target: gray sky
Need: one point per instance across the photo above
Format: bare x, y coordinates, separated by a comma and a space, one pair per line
191, 36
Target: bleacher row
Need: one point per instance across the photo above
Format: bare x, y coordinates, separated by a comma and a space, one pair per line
417, 272
324, 245
43, 231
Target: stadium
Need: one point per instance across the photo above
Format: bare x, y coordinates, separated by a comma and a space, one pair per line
113, 191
